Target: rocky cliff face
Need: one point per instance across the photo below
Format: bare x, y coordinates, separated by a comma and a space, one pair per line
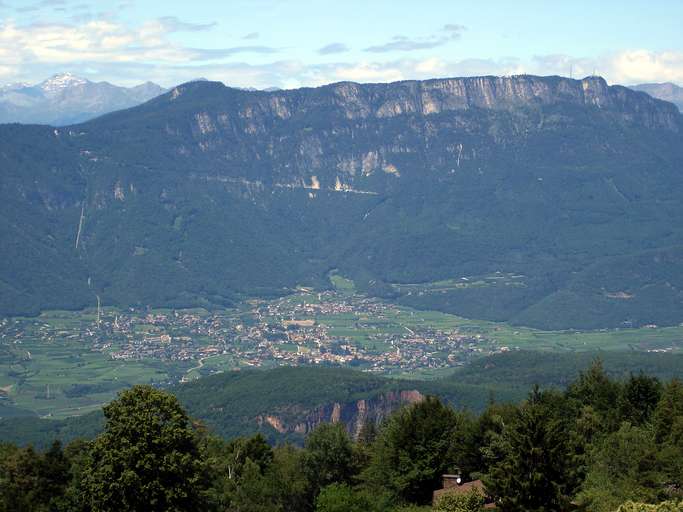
362, 101
354, 415
359, 138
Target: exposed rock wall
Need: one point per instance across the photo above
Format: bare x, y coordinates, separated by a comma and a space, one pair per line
354, 415
364, 101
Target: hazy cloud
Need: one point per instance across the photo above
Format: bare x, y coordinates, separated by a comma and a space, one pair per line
333, 48
251, 35
219, 53
565, 65
401, 43
173, 24
417, 69
454, 29
40, 5
181, 65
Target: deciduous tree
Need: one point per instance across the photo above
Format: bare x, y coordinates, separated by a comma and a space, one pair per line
146, 459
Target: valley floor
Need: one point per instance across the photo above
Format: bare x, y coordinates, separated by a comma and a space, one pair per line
62, 363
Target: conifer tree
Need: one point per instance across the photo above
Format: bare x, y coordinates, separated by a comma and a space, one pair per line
669, 411
638, 398
533, 473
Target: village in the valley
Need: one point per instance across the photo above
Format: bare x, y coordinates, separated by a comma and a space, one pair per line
328, 328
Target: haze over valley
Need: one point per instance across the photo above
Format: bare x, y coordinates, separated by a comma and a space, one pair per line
382, 258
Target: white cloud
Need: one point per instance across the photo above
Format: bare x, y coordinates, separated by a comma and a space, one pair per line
625, 67
103, 48
365, 72
637, 66
103, 42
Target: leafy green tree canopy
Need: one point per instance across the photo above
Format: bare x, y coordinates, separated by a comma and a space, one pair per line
416, 446
341, 498
665, 506
329, 455
147, 458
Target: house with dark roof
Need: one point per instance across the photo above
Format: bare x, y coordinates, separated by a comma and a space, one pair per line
455, 484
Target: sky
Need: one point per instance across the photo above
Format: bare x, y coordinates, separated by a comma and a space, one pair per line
295, 43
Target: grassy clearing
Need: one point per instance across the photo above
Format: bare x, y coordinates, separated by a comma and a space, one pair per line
342, 284
484, 281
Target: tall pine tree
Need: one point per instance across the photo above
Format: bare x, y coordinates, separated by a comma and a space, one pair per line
534, 473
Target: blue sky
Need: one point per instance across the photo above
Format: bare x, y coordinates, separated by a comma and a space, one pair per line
263, 43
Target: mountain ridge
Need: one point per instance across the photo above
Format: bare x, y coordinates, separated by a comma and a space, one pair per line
664, 91
434, 95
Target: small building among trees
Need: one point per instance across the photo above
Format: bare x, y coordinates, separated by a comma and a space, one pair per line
454, 484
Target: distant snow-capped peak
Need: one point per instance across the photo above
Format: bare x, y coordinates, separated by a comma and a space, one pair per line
14, 86
61, 81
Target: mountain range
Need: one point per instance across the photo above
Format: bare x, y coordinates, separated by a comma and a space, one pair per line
542, 201
666, 91
67, 99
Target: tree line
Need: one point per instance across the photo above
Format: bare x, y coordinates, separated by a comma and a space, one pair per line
600, 445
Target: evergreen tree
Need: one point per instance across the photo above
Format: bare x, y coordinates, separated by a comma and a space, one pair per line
669, 411
534, 473
487, 445
594, 388
638, 398
287, 471
667, 421
31, 481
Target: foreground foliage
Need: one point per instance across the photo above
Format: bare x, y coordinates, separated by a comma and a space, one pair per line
665, 506
471, 501
602, 445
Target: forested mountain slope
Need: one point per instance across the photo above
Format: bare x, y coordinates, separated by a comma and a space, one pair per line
208, 193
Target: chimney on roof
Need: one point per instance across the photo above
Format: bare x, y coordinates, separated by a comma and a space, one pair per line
453, 480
